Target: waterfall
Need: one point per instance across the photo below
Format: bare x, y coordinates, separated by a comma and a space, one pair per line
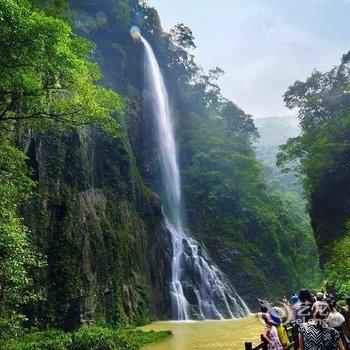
198, 289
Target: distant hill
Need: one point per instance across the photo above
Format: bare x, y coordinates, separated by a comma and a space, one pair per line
274, 131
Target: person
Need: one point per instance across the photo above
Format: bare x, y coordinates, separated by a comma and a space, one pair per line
271, 334
275, 316
345, 310
264, 308
335, 319
316, 334
319, 296
294, 299
302, 309
330, 291
301, 312
285, 301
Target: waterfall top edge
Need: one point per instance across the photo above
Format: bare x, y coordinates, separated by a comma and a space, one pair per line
135, 33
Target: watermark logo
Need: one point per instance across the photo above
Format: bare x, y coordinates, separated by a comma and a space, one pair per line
283, 313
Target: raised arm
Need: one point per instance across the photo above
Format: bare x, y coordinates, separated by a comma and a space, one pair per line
340, 344
266, 335
301, 342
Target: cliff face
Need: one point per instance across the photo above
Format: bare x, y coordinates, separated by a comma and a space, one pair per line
330, 206
101, 229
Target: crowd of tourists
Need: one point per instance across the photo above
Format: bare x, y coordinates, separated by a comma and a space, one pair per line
319, 321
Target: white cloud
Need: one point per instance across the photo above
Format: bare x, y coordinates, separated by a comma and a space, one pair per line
263, 45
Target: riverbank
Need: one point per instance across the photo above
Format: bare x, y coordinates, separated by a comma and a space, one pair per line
207, 335
87, 338
165, 335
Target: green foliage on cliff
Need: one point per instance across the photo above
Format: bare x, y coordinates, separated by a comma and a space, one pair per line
338, 268
252, 231
47, 82
17, 254
321, 155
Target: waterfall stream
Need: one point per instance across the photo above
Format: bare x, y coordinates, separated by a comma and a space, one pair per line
198, 289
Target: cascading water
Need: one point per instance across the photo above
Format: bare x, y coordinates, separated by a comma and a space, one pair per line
198, 289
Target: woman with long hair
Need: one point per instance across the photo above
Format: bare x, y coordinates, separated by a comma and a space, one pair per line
316, 333
301, 312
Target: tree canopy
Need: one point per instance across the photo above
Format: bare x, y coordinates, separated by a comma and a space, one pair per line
321, 153
46, 74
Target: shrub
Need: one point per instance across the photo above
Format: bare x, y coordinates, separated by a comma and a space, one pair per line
98, 338
338, 269
88, 338
48, 340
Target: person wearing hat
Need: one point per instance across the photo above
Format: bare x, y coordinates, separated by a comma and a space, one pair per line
264, 308
272, 319
294, 299
275, 316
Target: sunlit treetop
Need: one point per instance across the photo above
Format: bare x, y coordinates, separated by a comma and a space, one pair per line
46, 75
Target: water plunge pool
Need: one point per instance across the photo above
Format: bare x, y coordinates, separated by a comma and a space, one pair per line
207, 335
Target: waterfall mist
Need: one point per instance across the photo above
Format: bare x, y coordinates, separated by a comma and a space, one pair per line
198, 289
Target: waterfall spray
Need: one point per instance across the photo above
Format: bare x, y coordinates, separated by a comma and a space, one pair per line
198, 289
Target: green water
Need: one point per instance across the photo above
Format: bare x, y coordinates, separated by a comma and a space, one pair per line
208, 335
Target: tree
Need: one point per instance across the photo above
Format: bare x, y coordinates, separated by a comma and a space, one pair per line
182, 36
237, 120
46, 76
321, 152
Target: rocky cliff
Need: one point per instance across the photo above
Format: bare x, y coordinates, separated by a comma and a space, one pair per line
108, 257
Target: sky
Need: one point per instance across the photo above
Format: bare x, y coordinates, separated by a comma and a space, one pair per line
262, 45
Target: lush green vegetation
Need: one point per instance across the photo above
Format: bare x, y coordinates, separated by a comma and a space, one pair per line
46, 75
88, 338
46, 81
18, 256
81, 235
321, 155
73, 207
338, 268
